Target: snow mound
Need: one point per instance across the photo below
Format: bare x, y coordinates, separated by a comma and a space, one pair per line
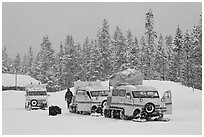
8, 80
182, 97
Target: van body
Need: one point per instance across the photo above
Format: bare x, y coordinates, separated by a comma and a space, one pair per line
132, 101
36, 96
89, 98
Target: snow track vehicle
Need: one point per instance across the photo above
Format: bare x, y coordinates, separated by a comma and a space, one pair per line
89, 97
129, 99
36, 96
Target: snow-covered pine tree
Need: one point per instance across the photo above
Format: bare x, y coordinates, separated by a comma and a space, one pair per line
79, 62
143, 58
187, 73
178, 53
171, 75
119, 43
161, 60
7, 65
197, 54
94, 74
30, 61
17, 64
24, 66
104, 56
150, 46
44, 63
131, 52
86, 56
70, 61
59, 68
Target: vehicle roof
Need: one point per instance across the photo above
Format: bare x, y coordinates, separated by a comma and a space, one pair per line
94, 88
137, 88
36, 85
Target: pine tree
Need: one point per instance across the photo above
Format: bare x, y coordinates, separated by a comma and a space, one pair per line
104, 57
161, 59
59, 68
86, 59
30, 62
197, 54
150, 47
119, 42
7, 66
133, 52
17, 63
24, 64
171, 75
143, 58
187, 72
178, 49
44, 63
70, 61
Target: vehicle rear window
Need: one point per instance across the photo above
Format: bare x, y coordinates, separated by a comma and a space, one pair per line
99, 93
80, 92
118, 92
145, 94
115, 92
122, 93
37, 93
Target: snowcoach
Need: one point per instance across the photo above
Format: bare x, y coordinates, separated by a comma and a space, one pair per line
89, 97
36, 96
129, 99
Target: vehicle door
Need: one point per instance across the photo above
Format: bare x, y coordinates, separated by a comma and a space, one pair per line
128, 103
167, 99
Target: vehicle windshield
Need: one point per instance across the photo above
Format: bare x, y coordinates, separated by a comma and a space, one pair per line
99, 93
145, 94
36, 93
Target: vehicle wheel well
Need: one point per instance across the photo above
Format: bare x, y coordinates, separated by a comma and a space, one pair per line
102, 103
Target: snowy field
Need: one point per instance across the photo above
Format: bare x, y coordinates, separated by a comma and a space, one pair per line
186, 118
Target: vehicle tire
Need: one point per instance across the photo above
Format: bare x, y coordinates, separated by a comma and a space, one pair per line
34, 102
136, 112
122, 114
107, 113
93, 109
149, 108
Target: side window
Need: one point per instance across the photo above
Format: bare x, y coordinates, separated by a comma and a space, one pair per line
80, 92
115, 92
122, 93
168, 95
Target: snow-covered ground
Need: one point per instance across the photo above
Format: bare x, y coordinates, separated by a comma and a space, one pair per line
186, 118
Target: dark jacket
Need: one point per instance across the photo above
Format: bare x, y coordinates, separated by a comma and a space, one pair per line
68, 96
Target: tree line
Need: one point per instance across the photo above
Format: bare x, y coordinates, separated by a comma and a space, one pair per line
175, 58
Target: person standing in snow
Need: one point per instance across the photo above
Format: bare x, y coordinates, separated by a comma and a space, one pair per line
68, 97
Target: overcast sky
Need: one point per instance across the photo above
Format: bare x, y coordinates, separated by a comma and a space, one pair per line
25, 24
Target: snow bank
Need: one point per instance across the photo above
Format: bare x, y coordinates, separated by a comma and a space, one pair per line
182, 97
8, 80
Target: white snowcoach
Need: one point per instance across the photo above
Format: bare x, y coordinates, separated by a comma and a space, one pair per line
135, 101
36, 96
89, 97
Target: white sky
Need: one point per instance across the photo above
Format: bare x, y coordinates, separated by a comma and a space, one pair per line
25, 24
